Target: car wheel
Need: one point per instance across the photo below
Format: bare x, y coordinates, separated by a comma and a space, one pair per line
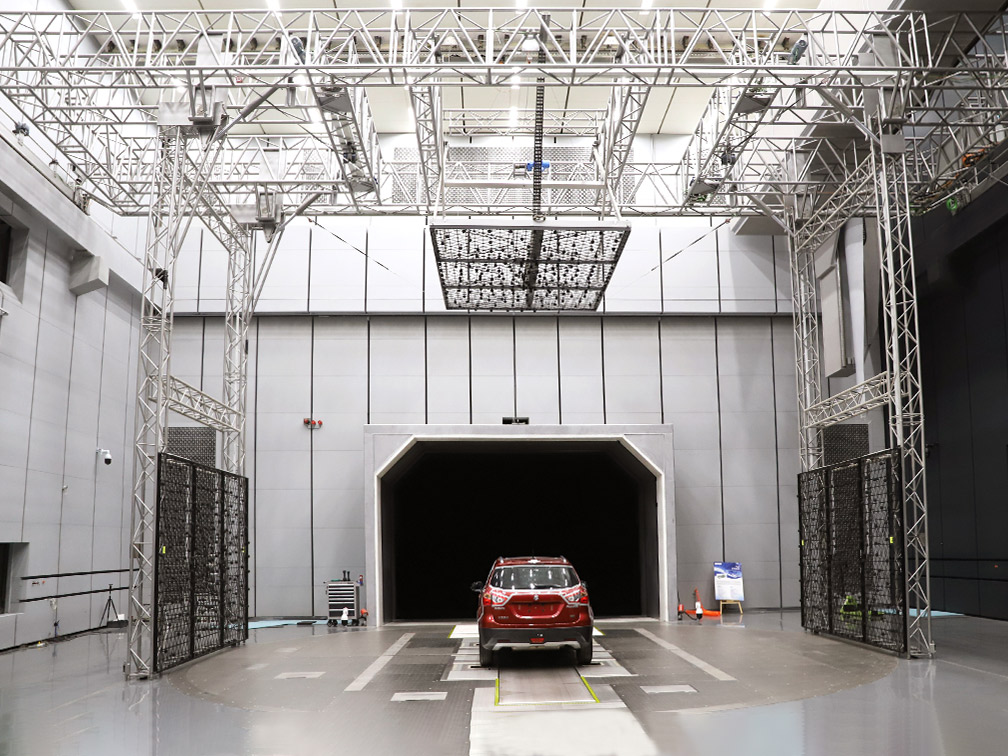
584, 655
486, 656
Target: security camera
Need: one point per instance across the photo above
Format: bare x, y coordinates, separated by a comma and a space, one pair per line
106, 456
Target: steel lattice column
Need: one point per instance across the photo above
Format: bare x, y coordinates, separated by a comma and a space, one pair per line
906, 411
178, 187
238, 314
806, 334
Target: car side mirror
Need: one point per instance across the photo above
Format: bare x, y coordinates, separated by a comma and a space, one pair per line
476, 587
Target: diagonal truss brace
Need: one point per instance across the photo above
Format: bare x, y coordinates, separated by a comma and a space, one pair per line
851, 402
622, 119
426, 104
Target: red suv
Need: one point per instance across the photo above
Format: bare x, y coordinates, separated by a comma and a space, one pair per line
533, 602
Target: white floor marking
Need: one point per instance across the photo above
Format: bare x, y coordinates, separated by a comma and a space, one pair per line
430, 695
375, 667
700, 664
668, 689
298, 675
596, 729
604, 665
253, 667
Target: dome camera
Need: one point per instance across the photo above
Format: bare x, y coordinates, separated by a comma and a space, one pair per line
106, 456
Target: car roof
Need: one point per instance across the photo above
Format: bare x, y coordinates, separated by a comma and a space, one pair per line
509, 561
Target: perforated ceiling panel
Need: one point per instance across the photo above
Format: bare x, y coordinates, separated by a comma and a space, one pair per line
534, 267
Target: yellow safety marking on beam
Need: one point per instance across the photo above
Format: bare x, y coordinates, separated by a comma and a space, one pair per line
589, 688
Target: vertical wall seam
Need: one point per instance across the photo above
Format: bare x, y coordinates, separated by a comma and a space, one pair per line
308, 307
31, 405
602, 355
202, 354
972, 436
367, 320
367, 267
661, 375
717, 263
773, 258
720, 438
426, 376
470, 373
311, 466
559, 376
661, 274
63, 471
255, 469
780, 543
514, 363
199, 274
94, 483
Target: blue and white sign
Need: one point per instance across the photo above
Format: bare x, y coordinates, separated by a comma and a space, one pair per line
728, 581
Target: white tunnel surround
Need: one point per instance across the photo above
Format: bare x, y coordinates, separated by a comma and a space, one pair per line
651, 445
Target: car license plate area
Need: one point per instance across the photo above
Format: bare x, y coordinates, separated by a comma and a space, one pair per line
537, 610
537, 640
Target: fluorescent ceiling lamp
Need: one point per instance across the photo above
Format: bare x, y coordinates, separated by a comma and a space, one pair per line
131, 6
530, 44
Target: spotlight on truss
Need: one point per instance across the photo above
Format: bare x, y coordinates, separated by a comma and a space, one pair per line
526, 267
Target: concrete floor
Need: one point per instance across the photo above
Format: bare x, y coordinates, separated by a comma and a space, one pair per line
762, 687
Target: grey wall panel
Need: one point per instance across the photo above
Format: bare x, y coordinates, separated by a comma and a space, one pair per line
749, 453
282, 548
187, 350
636, 282
632, 371
338, 261
187, 270
788, 465
286, 286
747, 273
12, 488
448, 370
782, 268
213, 273
581, 371
689, 266
536, 370
493, 386
397, 370
395, 265
336, 549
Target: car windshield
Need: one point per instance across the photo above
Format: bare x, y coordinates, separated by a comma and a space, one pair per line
532, 578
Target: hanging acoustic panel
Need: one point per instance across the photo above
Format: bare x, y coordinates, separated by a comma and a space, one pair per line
526, 267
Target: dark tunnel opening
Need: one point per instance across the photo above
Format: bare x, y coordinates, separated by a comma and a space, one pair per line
449, 509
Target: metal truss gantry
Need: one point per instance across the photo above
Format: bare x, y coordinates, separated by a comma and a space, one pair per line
816, 117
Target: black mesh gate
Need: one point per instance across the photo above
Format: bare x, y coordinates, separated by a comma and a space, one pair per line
850, 518
200, 562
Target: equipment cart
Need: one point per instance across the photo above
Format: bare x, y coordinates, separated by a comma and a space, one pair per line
344, 595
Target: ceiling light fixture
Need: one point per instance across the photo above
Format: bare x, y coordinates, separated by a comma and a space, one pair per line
530, 44
131, 6
513, 116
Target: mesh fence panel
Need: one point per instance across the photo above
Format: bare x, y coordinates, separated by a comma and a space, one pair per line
852, 560
814, 545
235, 593
201, 578
885, 600
195, 443
173, 572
